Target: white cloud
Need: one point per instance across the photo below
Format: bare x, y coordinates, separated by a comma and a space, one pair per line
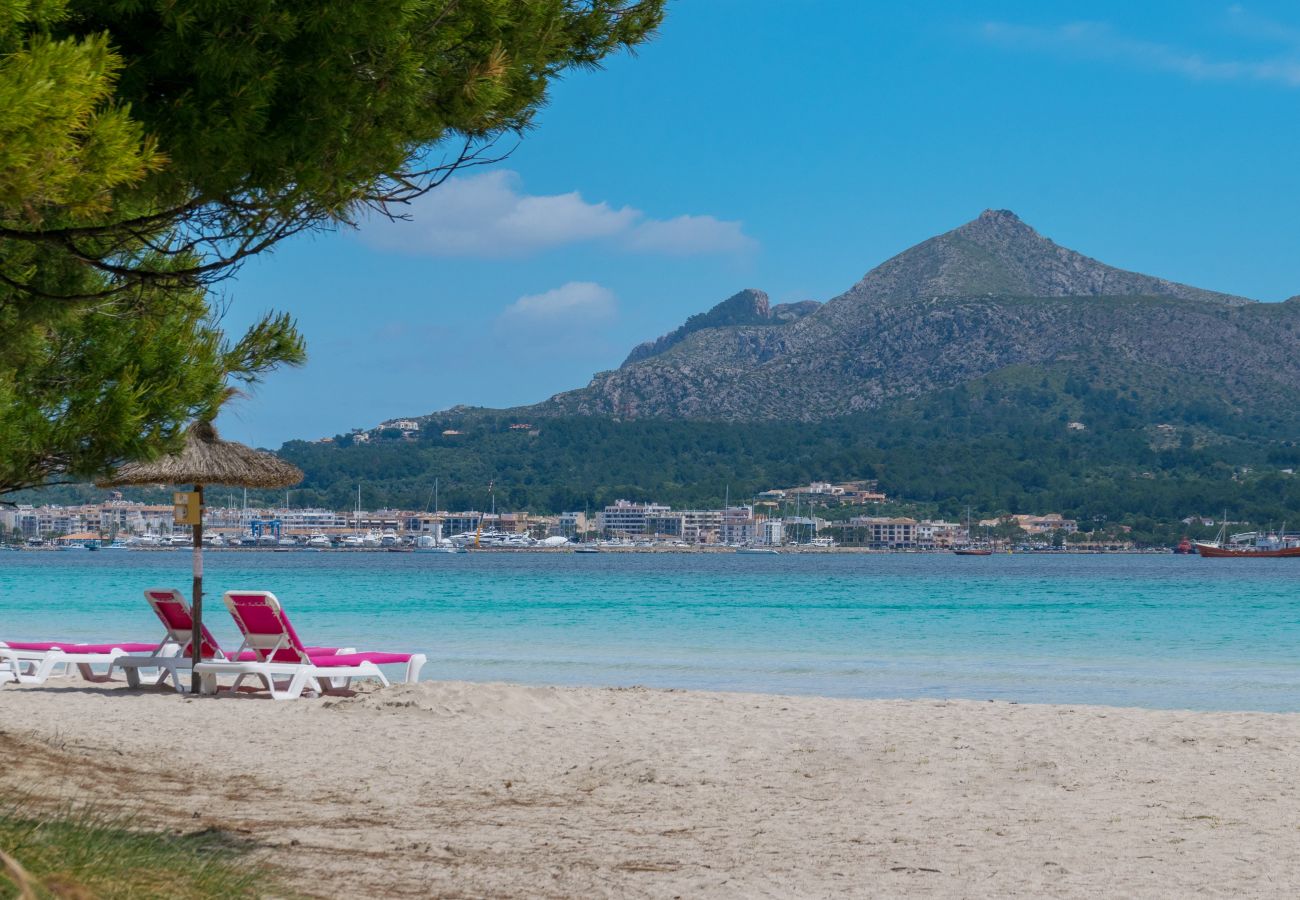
1248, 24
487, 215
688, 236
574, 304
1099, 40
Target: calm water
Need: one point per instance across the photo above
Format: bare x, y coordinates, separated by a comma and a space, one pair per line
1157, 631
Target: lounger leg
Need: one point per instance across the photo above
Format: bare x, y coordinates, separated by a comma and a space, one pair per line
294, 688
132, 677
268, 681
207, 683
180, 683
413, 667
89, 674
42, 670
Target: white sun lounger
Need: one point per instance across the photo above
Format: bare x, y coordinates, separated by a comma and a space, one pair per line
34, 662
277, 651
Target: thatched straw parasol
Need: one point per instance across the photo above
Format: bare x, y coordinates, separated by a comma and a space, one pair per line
207, 459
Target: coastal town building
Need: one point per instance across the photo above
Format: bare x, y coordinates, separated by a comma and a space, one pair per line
701, 526
742, 525
572, 525
111, 517
900, 533
738, 525
1035, 524
626, 519
845, 493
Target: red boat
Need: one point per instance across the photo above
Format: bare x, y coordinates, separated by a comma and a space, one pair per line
1184, 547
973, 551
1214, 550
1252, 544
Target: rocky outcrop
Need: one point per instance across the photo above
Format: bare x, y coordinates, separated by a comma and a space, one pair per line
789, 312
748, 307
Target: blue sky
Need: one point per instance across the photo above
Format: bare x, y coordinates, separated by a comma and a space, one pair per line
792, 145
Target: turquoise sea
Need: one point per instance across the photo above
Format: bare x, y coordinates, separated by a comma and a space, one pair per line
1154, 631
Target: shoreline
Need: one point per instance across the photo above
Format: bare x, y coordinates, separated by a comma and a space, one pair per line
453, 788
721, 550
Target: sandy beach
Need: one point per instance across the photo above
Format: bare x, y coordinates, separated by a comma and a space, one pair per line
455, 789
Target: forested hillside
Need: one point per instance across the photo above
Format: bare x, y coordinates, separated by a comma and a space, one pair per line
1001, 444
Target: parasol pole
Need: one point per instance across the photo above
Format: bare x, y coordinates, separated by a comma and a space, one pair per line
196, 599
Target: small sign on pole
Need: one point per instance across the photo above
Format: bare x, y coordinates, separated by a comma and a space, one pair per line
186, 507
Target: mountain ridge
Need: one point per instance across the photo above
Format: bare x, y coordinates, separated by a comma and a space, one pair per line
963, 304
986, 367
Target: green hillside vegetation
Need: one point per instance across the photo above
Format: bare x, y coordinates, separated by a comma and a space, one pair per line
1000, 444
1155, 448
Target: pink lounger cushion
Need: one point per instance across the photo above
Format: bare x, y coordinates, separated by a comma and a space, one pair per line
46, 646
171, 608
356, 659
313, 652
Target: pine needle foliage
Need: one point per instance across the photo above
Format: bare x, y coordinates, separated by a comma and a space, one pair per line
204, 131
147, 147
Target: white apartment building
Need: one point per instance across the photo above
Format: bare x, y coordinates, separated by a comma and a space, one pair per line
624, 518
941, 534
701, 526
885, 532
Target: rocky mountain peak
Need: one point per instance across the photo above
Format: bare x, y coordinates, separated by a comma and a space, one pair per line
999, 254
997, 219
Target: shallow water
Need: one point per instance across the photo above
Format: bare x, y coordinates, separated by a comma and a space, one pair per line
1154, 631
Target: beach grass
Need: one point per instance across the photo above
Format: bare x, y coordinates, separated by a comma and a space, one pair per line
87, 854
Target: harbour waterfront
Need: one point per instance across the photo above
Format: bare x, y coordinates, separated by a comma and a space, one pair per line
1152, 631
